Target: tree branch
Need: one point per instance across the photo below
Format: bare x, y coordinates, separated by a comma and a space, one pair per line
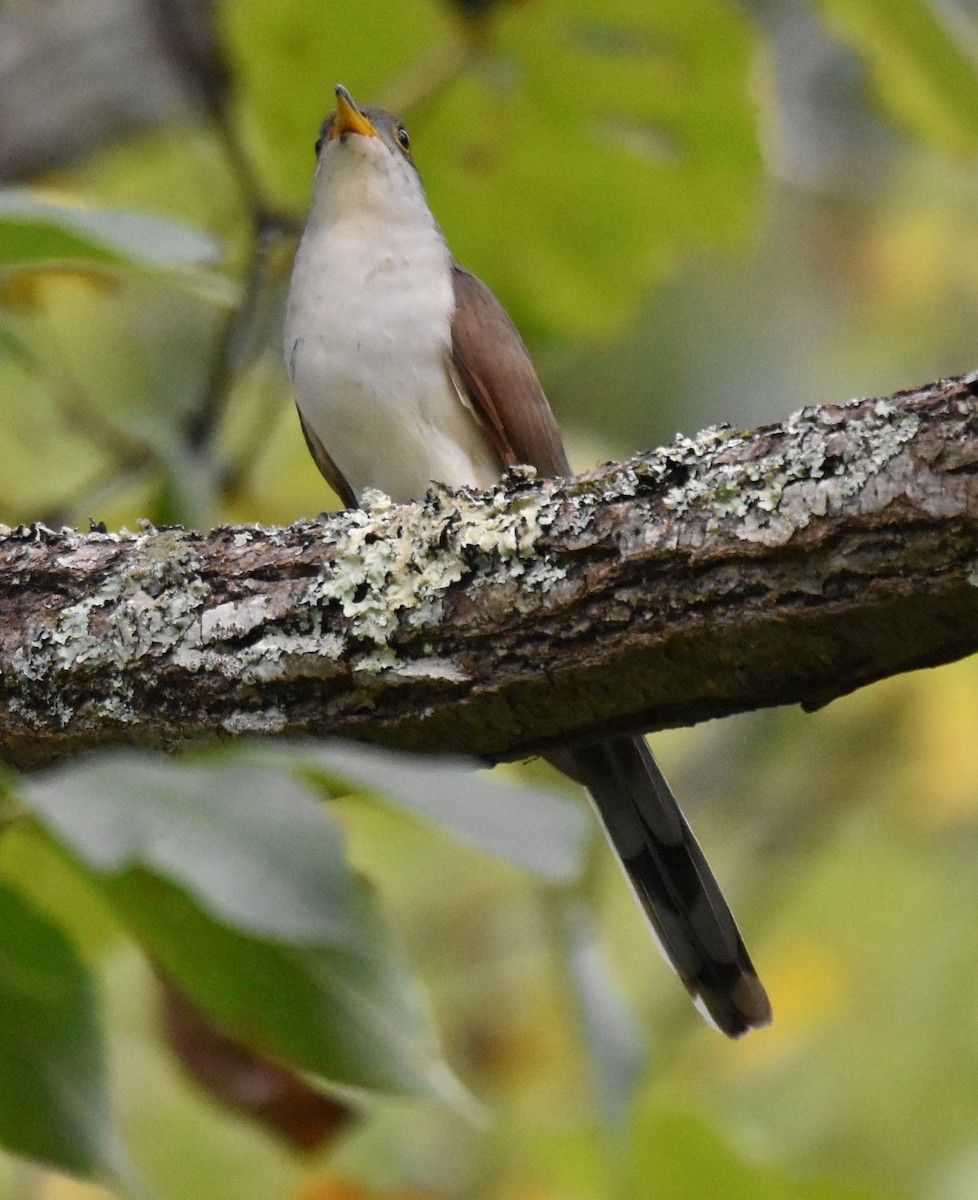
725, 572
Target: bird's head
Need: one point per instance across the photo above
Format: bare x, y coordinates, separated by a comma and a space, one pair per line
364, 161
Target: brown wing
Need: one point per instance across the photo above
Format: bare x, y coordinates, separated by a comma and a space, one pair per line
327, 467
495, 371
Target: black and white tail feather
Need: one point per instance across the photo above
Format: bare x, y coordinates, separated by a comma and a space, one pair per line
672, 881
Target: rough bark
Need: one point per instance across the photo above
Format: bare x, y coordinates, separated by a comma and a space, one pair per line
725, 572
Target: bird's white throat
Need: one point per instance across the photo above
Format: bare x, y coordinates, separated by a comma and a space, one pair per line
368, 330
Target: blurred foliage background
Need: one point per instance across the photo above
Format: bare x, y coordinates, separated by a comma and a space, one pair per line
697, 211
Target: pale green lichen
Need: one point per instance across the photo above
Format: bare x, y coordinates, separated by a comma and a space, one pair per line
762, 492
146, 605
432, 668
268, 720
210, 645
392, 562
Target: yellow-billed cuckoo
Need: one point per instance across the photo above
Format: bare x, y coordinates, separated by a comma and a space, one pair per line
407, 370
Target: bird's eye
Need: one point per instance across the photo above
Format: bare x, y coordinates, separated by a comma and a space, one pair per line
319, 144
402, 139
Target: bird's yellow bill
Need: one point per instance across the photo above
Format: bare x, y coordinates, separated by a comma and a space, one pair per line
349, 119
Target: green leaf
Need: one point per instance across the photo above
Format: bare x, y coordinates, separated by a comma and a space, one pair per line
924, 77
38, 231
352, 1017
248, 845
609, 143
234, 879
53, 1093
538, 831
573, 164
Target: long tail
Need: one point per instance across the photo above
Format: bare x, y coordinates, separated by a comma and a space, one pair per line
672, 880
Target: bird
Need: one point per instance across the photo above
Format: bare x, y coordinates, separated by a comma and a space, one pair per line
406, 370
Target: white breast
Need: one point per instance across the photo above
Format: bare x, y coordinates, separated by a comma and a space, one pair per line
368, 338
